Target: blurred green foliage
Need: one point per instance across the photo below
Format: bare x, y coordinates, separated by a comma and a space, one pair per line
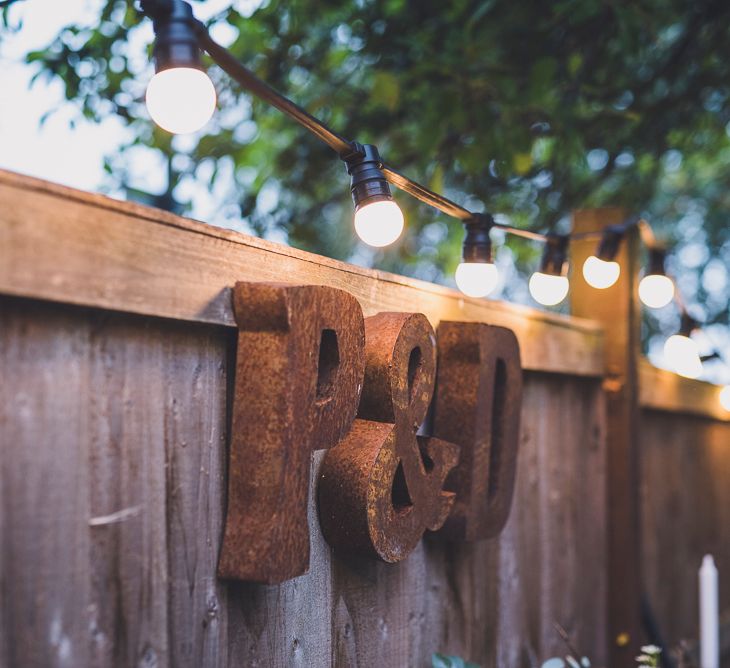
528, 109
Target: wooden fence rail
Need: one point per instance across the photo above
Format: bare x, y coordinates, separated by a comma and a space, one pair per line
64, 245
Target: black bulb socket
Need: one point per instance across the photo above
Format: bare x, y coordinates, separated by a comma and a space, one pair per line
555, 255
655, 265
477, 243
368, 183
687, 325
610, 243
176, 40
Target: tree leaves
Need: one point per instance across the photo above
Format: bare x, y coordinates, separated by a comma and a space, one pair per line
494, 102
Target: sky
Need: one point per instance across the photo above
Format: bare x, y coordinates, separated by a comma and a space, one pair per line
74, 156
46, 152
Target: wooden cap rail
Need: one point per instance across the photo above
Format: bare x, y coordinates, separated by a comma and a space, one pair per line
663, 390
69, 246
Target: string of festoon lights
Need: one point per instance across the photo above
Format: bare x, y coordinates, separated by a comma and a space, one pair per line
181, 99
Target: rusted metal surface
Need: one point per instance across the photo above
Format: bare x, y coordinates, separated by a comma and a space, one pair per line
477, 406
299, 371
381, 487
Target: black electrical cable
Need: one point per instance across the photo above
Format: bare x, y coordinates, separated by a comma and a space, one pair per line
248, 80
347, 150
350, 151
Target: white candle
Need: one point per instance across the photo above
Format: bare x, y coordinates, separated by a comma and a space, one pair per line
709, 615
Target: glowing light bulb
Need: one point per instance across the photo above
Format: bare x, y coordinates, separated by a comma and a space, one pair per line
600, 273
656, 290
476, 279
548, 289
181, 100
725, 397
683, 355
379, 223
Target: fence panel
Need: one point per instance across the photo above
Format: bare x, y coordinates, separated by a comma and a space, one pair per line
685, 469
116, 355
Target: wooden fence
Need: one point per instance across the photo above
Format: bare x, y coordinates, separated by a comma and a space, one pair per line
117, 346
685, 474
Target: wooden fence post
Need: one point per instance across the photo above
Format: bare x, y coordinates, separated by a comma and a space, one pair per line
618, 310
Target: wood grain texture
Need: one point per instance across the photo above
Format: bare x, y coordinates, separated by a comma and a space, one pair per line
46, 503
129, 557
663, 390
563, 457
100, 414
195, 376
107, 412
685, 465
63, 245
617, 307
287, 624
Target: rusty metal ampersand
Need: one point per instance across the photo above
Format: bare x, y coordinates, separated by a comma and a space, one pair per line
312, 374
381, 487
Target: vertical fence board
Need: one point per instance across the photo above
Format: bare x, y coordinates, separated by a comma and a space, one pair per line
560, 520
287, 624
45, 502
195, 433
128, 475
686, 507
379, 601
460, 598
509, 643
588, 474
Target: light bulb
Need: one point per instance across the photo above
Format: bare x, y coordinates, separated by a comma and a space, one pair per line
476, 279
181, 99
600, 273
379, 223
725, 397
683, 355
656, 290
548, 289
